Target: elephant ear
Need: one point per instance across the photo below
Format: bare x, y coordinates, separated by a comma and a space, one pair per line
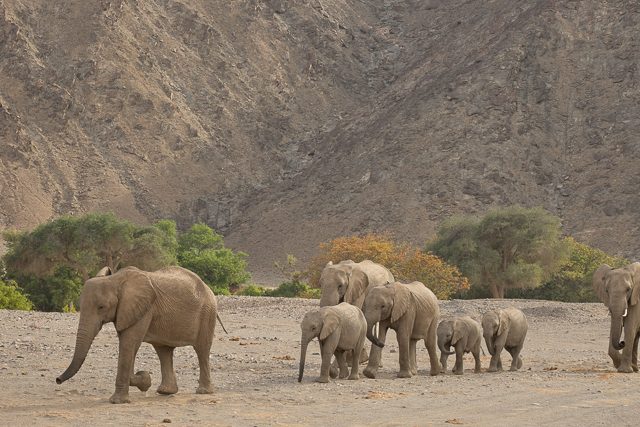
401, 302
136, 296
503, 318
329, 325
598, 283
358, 283
457, 332
104, 271
635, 276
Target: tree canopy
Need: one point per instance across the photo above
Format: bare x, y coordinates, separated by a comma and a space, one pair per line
508, 248
407, 263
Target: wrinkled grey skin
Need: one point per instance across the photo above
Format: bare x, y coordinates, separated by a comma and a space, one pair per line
619, 290
167, 308
465, 335
412, 311
338, 328
349, 281
504, 329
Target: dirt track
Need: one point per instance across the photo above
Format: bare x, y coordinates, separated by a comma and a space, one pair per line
567, 377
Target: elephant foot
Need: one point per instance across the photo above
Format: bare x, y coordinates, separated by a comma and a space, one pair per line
434, 372
492, 369
167, 389
404, 374
142, 380
369, 372
476, 371
513, 368
118, 398
625, 369
323, 380
354, 377
204, 390
333, 372
343, 376
458, 372
635, 368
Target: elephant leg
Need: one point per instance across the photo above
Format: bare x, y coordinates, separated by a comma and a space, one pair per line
413, 365
516, 361
341, 357
356, 355
615, 356
432, 343
496, 361
327, 349
404, 338
376, 354
168, 384
459, 368
204, 380
129, 342
140, 379
625, 358
634, 355
443, 362
476, 356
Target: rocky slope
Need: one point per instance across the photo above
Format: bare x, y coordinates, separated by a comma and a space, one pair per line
285, 123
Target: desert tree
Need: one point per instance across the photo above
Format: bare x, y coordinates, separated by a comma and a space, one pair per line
508, 248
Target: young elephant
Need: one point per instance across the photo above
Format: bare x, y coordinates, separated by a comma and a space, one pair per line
504, 329
464, 334
412, 311
339, 328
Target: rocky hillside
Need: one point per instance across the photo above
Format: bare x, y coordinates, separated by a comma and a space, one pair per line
284, 123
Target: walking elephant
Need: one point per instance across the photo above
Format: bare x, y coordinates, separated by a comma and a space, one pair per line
504, 329
465, 335
412, 311
339, 328
167, 308
619, 290
348, 281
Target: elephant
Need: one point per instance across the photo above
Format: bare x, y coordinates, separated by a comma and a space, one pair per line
348, 281
504, 329
167, 308
412, 311
464, 334
619, 290
338, 328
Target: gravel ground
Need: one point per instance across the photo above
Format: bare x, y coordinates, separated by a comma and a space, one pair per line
567, 377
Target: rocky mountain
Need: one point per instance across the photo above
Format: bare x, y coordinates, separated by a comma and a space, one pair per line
283, 123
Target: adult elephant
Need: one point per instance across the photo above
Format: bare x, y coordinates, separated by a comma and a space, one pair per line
619, 290
412, 311
167, 308
348, 281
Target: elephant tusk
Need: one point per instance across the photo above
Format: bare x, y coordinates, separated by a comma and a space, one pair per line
625, 313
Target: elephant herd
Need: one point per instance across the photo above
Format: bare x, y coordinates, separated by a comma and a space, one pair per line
357, 296
173, 307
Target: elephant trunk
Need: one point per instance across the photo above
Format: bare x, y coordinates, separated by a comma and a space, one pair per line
303, 356
443, 348
84, 339
490, 346
616, 330
370, 335
329, 298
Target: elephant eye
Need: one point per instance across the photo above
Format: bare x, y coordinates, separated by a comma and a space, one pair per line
100, 307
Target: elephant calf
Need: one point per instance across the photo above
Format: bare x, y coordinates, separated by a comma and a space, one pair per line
464, 334
504, 329
339, 328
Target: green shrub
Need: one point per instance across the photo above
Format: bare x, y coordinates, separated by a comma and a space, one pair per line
252, 291
11, 298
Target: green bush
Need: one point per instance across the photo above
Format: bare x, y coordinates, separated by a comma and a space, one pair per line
11, 298
290, 289
252, 291
58, 292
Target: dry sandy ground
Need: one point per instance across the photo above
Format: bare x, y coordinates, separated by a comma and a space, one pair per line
567, 377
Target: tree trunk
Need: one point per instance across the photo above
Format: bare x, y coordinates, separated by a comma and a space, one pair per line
493, 288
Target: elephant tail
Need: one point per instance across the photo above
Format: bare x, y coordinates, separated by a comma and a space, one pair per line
221, 324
